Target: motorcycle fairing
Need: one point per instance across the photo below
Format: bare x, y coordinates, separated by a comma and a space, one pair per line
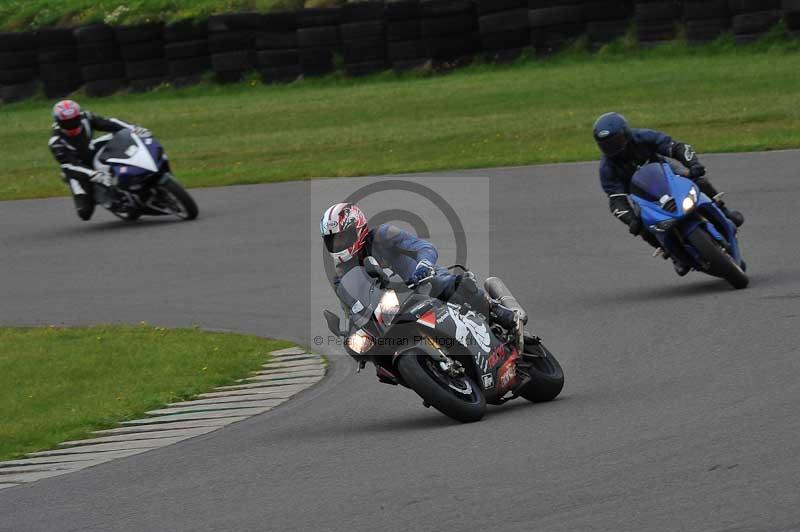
656, 178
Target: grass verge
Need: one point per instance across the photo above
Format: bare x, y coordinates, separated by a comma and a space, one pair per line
719, 97
61, 384
20, 15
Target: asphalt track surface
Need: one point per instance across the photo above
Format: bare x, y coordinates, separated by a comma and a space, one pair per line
680, 410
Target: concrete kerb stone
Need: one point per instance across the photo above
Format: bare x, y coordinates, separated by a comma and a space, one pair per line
150, 435
289, 351
279, 391
61, 459
283, 376
215, 407
313, 362
115, 446
275, 383
289, 372
155, 427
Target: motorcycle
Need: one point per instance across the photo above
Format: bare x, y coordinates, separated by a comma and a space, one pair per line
688, 224
144, 181
447, 353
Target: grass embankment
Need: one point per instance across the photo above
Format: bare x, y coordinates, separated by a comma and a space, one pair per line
21, 15
60, 384
720, 97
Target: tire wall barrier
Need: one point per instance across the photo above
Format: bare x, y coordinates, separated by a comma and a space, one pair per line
359, 38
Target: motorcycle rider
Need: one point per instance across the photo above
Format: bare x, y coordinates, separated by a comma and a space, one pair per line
349, 241
625, 150
74, 148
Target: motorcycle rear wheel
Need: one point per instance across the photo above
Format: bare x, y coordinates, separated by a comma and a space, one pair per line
547, 376
440, 390
721, 264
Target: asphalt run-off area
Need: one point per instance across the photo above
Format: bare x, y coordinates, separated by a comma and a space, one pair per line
679, 410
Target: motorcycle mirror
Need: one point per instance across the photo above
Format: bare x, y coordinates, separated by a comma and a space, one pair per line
333, 323
375, 271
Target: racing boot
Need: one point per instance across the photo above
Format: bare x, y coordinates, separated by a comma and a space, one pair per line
505, 317
709, 190
735, 216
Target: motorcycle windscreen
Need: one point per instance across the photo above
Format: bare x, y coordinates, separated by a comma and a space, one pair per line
121, 146
650, 182
125, 149
359, 293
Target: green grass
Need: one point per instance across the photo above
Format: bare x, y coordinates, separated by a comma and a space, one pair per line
19, 15
721, 98
60, 384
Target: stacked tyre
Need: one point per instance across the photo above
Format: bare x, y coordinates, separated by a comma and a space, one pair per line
753, 18
18, 66
656, 20
59, 69
102, 68
554, 24
142, 49
319, 39
705, 20
231, 40
791, 13
363, 32
186, 51
277, 56
606, 20
503, 26
450, 30
405, 49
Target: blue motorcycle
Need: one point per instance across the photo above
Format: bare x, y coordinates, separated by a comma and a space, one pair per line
689, 225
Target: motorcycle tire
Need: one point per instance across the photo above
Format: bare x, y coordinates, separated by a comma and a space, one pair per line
420, 373
547, 376
721, 264
179, 194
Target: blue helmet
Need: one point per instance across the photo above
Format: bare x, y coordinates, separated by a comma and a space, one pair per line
612, 133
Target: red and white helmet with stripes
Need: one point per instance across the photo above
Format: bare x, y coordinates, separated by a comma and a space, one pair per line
344, 230
67, 114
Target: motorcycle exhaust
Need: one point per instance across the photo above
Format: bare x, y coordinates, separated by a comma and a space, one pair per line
498, 290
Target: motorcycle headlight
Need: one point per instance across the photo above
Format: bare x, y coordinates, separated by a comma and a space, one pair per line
690, 201
360, 341
388, 307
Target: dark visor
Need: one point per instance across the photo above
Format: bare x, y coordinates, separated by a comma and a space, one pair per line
340, 241
72, 123
614, 144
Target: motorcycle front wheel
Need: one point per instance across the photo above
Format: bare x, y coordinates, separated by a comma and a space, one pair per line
457, 397
720, 263
183, 205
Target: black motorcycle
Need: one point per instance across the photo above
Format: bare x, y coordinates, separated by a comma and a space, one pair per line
144, 181
447, 353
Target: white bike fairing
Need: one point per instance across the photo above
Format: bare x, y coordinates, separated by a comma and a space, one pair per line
140, 159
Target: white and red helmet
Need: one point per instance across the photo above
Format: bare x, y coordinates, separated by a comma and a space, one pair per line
344, 230
67, 114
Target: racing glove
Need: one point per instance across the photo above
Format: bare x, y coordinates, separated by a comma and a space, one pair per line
102, 178
141, 131
423, 270
697, 170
